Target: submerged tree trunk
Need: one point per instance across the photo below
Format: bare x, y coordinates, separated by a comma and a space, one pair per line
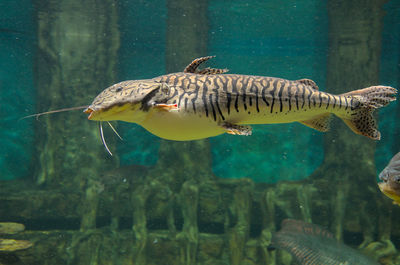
353, 63
76, 59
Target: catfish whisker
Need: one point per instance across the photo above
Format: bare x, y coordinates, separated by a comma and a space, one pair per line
112, 127
37, 115
102, 137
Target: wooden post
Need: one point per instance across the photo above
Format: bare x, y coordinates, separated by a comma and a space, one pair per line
187, 31
76, 59
182, 165
186, 39
353, 63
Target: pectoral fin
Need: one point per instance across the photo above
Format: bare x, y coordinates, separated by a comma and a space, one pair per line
237, 129
319, 123
166, 107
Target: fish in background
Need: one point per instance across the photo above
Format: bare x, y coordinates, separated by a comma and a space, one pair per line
390, 176
310, 244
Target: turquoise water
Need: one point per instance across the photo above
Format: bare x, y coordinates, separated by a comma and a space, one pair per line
288, 40
254, 39
235, 37
82, 206
17, 91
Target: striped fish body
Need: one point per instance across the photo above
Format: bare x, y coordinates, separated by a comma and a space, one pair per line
205, 102
197, 104
246, 99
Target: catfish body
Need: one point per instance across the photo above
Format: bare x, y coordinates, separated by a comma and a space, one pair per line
196, 104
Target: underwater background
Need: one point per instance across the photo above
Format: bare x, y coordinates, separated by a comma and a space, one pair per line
214, 201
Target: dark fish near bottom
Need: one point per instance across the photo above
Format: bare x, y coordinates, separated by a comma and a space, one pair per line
311, 245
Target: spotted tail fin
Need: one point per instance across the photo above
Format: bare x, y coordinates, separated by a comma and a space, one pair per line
365, 101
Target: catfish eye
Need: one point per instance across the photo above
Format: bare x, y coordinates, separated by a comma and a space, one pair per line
397, 179
118, 89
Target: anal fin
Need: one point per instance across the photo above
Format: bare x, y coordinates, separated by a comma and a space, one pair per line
319, 123
237, 129
363, 123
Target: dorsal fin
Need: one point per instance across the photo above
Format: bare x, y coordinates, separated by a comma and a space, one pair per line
308, 82
192, 67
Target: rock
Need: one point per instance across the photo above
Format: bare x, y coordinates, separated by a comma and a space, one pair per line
11, 228
13, 245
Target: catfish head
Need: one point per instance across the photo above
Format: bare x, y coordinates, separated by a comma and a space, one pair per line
127, 101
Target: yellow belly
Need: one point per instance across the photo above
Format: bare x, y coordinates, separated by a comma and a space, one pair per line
179, 126
184, 126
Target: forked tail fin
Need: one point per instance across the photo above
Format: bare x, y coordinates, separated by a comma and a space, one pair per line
364, 102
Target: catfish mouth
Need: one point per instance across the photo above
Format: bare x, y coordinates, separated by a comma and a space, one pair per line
95, 113
90, 112
109, 113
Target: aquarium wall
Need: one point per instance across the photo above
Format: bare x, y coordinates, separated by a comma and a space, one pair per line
84, 192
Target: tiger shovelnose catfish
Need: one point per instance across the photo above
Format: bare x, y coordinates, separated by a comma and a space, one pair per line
196, 104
